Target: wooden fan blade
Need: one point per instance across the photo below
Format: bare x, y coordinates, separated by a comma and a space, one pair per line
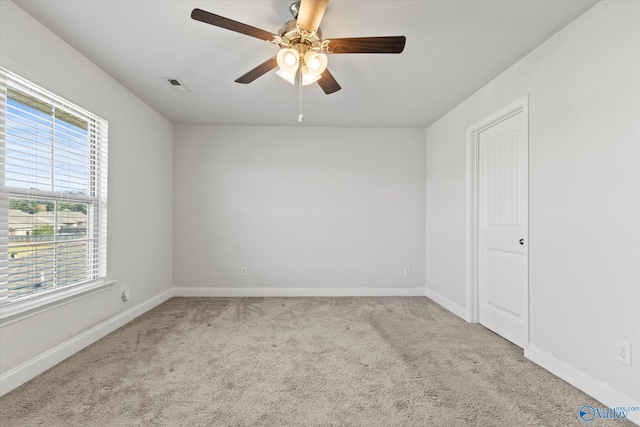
311, 13
387, 44
328, 83
261, 69
230, 24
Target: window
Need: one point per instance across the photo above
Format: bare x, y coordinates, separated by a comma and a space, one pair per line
53, 192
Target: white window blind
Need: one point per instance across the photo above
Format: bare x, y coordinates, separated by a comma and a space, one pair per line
53, 194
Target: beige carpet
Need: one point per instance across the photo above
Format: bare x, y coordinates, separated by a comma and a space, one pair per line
297, 362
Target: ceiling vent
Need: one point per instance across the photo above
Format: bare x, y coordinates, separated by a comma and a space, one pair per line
176, 84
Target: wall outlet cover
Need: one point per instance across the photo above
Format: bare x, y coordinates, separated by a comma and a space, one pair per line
623, 352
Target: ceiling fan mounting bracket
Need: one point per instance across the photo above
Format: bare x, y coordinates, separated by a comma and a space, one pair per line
294, 8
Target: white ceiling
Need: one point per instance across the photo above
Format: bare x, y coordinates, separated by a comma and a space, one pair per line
454, 47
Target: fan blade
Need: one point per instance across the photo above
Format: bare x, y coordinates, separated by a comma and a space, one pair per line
328, 83
230, 24
311, 13
388, 44
261, 69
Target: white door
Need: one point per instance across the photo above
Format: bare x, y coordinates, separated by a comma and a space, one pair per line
502, 228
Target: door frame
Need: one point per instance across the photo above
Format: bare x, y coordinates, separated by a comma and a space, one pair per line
472, 209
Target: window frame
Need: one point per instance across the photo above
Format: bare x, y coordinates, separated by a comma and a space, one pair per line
15, 308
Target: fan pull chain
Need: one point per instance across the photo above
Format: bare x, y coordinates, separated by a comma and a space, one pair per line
300, 103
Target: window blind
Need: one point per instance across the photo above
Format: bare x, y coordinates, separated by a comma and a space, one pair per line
53, 193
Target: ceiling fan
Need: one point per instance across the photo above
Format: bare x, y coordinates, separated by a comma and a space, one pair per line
302, 56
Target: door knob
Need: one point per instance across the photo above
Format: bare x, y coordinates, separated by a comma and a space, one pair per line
522, 241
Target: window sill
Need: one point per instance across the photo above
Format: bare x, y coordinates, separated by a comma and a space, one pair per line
15, 311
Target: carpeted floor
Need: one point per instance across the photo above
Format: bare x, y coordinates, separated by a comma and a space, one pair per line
395, 361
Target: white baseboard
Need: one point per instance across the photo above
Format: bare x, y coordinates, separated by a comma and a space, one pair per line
31, 368
598, 390
445, 302
296, 292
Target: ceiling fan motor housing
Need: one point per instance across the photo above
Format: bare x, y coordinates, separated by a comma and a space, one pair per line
293, 37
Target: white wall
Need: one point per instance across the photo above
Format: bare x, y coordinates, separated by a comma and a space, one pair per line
309, 211
140, 192
584, 86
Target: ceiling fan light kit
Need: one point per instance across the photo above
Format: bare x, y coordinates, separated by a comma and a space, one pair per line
303, 51
288, 60
312, 65
316, 62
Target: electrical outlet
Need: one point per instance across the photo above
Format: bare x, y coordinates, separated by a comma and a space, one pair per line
243, 271
407, 271
623, 352
125, 293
